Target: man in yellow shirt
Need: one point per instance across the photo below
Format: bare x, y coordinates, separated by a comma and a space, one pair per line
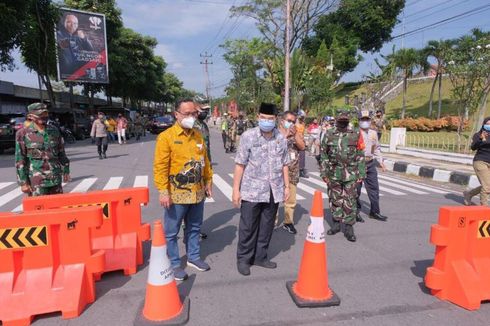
183, 176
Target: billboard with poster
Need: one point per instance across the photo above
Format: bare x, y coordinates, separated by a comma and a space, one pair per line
82, 47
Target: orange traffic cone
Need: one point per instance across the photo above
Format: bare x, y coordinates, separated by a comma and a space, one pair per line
311, 289
162, 305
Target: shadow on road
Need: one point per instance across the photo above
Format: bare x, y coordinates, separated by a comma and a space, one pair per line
95, 156
186, 287
110, 281
419, 269
81, 177
282, 241
218, 237
455, 197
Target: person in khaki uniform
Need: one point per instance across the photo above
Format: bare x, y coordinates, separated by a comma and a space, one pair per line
296, 143
481, 164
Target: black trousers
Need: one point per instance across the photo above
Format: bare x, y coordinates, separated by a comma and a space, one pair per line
225, 137
255, 230
102, 145
302, 159
372, 187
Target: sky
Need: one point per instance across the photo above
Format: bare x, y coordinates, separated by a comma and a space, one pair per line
187, 29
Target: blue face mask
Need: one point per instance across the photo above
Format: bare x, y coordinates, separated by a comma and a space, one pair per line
486, 127
287, 124
266, 125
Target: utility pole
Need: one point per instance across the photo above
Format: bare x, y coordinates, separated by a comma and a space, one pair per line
286, 50
206, 62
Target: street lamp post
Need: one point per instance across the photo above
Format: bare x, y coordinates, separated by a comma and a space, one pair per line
286, 55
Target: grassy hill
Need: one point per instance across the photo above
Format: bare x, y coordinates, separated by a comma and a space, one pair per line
417, 99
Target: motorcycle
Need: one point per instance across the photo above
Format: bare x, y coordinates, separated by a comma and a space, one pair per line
67, 135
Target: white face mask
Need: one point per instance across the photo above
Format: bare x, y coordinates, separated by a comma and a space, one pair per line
188, 123
364, 124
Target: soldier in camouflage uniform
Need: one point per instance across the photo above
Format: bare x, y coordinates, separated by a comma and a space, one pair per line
232, 133
342, 168
138, 126
40, 158
202, 126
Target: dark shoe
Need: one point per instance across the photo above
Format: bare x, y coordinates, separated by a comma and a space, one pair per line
349, 233
334, 229
243, 269
199, 264
105, 156
467, 198
290, 228
266, 264
203, 235
227, 150
303, 174
100, 157
378, 216
359, 219
180, 274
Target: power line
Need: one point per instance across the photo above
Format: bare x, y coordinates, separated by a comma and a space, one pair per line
430, 8
434, 13
447, 20
219, 30
413, 3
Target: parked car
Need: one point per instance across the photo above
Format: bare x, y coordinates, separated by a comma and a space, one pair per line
7, 132
162, 123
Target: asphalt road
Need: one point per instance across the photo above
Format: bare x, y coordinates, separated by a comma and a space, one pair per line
379, 278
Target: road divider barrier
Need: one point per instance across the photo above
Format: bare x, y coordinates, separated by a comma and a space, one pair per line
121, 235
47, 263
461, 270
312, 289
162, 305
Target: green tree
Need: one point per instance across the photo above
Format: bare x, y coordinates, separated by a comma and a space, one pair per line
469, 72
437, 50
37, 43
357, 25
406, 60
13, 15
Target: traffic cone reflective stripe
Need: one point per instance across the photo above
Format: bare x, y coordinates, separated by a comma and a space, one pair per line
311, 289
162, 302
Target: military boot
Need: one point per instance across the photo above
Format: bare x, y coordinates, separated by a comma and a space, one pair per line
335, 228
349, 233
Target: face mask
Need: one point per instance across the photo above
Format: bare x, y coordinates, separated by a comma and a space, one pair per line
364, 124
287, 124
486, 127
342, 124
202, 115
188, 123
266, 125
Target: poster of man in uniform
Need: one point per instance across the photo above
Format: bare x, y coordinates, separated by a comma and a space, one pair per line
82, 47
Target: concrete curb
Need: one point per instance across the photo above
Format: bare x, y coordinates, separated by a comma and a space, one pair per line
456, 177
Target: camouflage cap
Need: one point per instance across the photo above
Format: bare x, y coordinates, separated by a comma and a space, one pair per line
343, 114
37, 107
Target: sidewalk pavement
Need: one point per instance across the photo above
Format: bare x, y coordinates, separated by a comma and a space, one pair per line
442, 171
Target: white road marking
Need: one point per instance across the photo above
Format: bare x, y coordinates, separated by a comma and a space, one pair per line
141, 181
85, 185
397, 186
391, 191
5, 184
309, 189
224, 187
415, 185
113, 183
209, 200
11, 195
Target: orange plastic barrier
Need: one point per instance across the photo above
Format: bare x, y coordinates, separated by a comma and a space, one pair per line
121, 235
162, 305
461, 270
311, 289
47, 263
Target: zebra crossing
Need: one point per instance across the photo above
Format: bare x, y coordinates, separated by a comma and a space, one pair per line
10, 194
